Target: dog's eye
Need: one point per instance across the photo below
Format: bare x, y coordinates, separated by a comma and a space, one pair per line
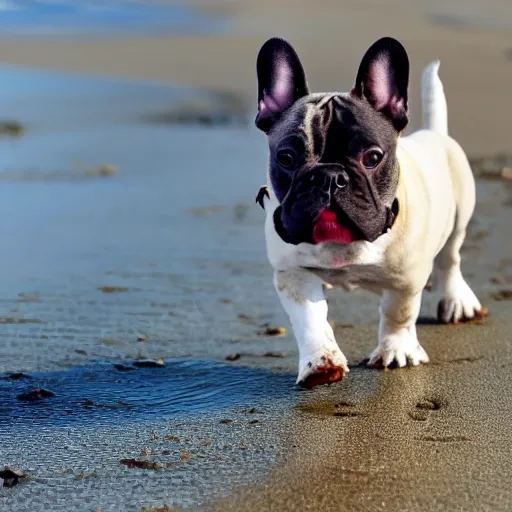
286, 158
372, 158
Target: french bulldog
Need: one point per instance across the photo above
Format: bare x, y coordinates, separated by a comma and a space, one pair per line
352, 202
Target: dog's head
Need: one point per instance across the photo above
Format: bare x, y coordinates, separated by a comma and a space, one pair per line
333, 165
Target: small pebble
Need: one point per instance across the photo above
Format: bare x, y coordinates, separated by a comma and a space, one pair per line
150, 363
35, 395
275, 330
277, 355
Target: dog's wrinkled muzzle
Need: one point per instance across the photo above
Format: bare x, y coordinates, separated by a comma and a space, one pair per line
327, 203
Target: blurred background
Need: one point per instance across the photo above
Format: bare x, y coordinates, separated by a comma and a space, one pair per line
129, 165
212, 45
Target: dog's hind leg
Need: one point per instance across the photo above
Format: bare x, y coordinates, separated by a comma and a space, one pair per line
458, 302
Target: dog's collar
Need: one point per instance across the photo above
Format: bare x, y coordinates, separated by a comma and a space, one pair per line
262, 192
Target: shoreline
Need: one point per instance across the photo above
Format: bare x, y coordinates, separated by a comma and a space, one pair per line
473, 59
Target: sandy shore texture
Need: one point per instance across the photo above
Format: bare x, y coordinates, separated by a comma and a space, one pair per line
432, 438
473, 39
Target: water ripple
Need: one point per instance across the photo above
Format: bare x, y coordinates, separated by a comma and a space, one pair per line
100, 393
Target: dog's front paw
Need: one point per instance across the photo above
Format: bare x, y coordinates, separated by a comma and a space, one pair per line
324, 367
459, 303
402, 349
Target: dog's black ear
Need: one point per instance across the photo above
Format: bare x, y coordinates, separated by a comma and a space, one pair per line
281, 81
383, 79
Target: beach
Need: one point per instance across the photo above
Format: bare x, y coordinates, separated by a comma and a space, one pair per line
137, 291
472, 40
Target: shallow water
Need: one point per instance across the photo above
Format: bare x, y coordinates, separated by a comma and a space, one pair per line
206, 427
176, 228
98, 17
152, 261
100, 394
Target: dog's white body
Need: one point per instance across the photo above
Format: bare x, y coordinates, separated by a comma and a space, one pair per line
436, 196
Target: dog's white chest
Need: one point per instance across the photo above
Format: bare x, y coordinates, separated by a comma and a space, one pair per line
357, 264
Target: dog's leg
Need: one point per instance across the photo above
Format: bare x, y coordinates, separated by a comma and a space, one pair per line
458, 301
302, 296
397, 331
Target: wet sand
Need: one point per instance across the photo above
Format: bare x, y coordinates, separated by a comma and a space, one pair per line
435, 438
165, 248
105, 272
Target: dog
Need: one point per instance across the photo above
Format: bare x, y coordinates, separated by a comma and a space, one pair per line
351, 202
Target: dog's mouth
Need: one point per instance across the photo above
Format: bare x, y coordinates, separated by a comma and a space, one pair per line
329, 227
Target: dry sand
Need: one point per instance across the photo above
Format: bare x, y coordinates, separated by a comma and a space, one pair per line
472, 38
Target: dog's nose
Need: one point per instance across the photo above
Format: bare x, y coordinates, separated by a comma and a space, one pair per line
329, 177
340, 179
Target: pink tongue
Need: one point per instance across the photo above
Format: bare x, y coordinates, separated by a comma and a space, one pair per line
327, 229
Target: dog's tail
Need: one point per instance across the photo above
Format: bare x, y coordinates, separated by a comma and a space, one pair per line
435, 111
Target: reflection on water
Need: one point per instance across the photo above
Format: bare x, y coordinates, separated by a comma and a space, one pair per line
103, 393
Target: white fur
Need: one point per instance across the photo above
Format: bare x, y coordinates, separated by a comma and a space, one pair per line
302, 297
434, 108
436, 193
397, 331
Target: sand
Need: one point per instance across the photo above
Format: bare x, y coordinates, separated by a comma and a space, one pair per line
435, 438
431, 438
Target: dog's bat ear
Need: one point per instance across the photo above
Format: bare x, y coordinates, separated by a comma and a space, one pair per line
281, 81
383, 79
